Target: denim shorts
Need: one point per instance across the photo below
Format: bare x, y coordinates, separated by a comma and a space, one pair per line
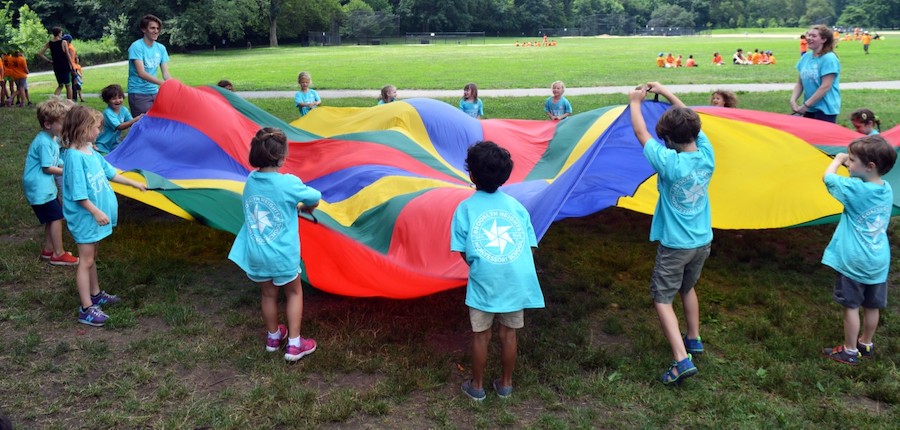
676, 271
278, 281
482, 320
852, 294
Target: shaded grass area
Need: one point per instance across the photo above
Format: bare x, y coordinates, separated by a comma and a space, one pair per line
185, 348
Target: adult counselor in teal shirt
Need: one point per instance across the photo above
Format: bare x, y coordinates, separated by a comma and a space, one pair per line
819, 78
146, 57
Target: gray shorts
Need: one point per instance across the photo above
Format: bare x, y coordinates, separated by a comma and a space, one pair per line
852, 294
140, 103
482, 321
676, 271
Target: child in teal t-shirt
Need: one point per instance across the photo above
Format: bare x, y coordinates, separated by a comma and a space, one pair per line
116, 118
307, 98
493, 233
859, 250
682, 221
557, 107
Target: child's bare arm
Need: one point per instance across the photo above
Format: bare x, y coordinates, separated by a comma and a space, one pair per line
52, 170
99, 215
838, 161
119, 179
127, 124
658, 88
635, 97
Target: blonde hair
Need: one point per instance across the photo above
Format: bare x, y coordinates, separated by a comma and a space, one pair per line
77, 125
53, 110
561, 84
304, 74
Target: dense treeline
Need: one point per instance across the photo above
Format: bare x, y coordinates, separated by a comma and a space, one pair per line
205, 22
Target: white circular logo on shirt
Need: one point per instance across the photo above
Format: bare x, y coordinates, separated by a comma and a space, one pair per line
871, 226
688, 194
264, 220
498, 236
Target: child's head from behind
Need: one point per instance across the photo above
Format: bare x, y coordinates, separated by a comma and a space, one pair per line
864, 121
678, 125
722, 98
56, 31
80, 127
225, 83
875, 150
112, 91
470, 91
489, 165
50, 114
268, 148
388, 93
304, 79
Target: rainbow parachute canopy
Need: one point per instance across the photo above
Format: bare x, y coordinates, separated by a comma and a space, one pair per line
392, 175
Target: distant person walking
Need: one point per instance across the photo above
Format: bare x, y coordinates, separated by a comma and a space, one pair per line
819, 78
61, 60
146, 57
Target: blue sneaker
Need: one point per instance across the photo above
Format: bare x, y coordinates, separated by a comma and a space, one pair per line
476, 395
502, 392
865, 351
841, 355
104, 298
693, 346
684, 368
92, 316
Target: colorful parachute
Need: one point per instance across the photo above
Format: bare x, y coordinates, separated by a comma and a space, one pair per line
392, 175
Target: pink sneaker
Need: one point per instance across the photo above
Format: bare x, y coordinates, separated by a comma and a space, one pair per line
272, 345
294, 353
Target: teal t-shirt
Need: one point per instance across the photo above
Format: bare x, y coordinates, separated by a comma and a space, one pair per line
682, 219
151, 57
812, 69
474, 110
43, 152
859, 248
268, 244
495, 232
110, 137
86, 176
557, 108
307, 97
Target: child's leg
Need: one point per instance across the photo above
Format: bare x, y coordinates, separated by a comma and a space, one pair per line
86, 273
669, 323
480, 342
870, 323
691, 313
508, 348
851, 327
293, 291
53, 237
269, 301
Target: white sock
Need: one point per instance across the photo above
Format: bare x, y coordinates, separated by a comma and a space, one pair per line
853, 351
294, 341
866, 344
276, 335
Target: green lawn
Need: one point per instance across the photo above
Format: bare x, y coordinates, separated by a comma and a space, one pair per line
184, 350
580, 62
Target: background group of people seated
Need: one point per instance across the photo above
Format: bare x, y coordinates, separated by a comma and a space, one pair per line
670, 60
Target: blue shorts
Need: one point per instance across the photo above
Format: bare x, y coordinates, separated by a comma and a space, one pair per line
819, 115
852, 294
676, 271
48, 212
278, 281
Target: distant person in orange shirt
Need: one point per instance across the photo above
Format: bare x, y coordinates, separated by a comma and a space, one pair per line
670, 60
661, 61
690, 62
866, 40
804, 45
717, 59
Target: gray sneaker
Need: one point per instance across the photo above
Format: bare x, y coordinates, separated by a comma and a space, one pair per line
92, 316
840, 354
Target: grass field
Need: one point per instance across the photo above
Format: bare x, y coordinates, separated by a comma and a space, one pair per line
580, 62
184, 350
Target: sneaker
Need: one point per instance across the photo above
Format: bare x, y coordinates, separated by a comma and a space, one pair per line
685, 369
693, 346
840, 354
865, 351
502, 392
294, 353
272, 345
476, 395
92, 316
64, 259
105, 298
45, 255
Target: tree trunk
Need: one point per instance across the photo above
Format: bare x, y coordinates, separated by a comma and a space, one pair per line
273, 32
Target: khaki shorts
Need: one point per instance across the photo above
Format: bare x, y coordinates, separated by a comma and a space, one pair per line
482, 321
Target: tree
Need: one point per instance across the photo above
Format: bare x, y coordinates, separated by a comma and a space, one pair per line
818, 12
203, 21
671, 16
31, 35
854, 16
